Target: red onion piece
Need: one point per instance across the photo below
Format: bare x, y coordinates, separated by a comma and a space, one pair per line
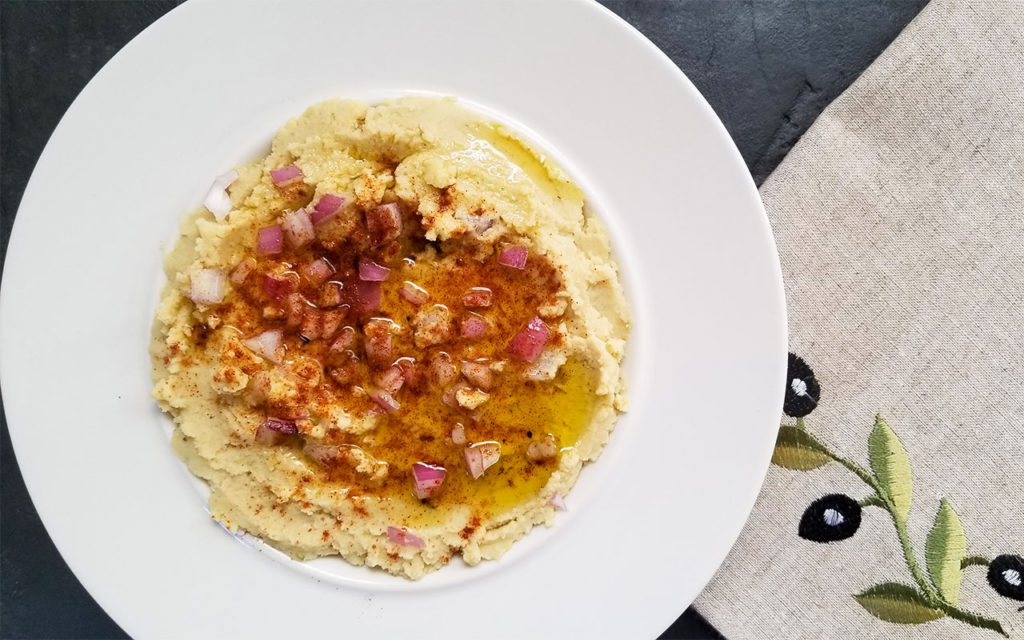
458, 434
384, 400
478, 374
403, 538
208, 287
330, 321
281, 426
370, 271
344, 341
449, 398
318, 271
491, 453
384, 223
477, 297
298, 228
270, 240
377, 343
217, 199
267, 436
267, 344
392, 379
481, 457
474, 461
529, 342
326, 208
367, 296
285, 175
242, 271
514, 256
473, 327
278, 287
414, 293
557, 502
442, 369
427, 478
325, 454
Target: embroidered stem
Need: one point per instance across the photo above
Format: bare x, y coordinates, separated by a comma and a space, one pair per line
915, 569
971, 560
872, 501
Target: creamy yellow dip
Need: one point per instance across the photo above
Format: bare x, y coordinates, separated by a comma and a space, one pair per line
396, 291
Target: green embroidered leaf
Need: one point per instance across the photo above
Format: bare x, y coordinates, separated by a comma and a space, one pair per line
895, 602
945, 550
798, 450
891, 465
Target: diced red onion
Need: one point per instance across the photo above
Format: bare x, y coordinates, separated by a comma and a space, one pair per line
367, 295
270, 240
370, 271
345, 340
514, 256
278, 287
474, 461
412, 374
384, 223
266, 435
449, 398
478, 374
242, 271
330, 320
322, 453
477, 297
491, 452
295, 309
281, 426
377, 343
403, 538
529, 342
326, 208
414, 293
298, 228
384, 400
208, 286
311, 325
443, 369
267, 344
392, 379
473, 327
481, 457
458, 434
285, 175
427, 478
318, 271
557, 502
217, 199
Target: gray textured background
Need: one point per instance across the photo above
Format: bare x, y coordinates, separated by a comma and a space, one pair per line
768, 67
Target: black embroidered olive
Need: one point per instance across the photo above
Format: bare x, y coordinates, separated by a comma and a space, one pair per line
833, 517
1006, 575
802, 390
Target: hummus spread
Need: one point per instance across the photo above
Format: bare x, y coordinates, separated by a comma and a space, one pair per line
397, 338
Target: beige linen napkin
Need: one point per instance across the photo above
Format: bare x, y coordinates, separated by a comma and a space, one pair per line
900, 224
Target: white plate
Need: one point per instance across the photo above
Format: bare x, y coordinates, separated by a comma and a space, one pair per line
203, 89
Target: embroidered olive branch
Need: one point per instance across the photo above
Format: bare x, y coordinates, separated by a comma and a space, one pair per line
797, 449
837, 517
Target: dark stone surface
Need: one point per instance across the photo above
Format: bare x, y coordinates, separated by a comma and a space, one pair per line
767, 67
